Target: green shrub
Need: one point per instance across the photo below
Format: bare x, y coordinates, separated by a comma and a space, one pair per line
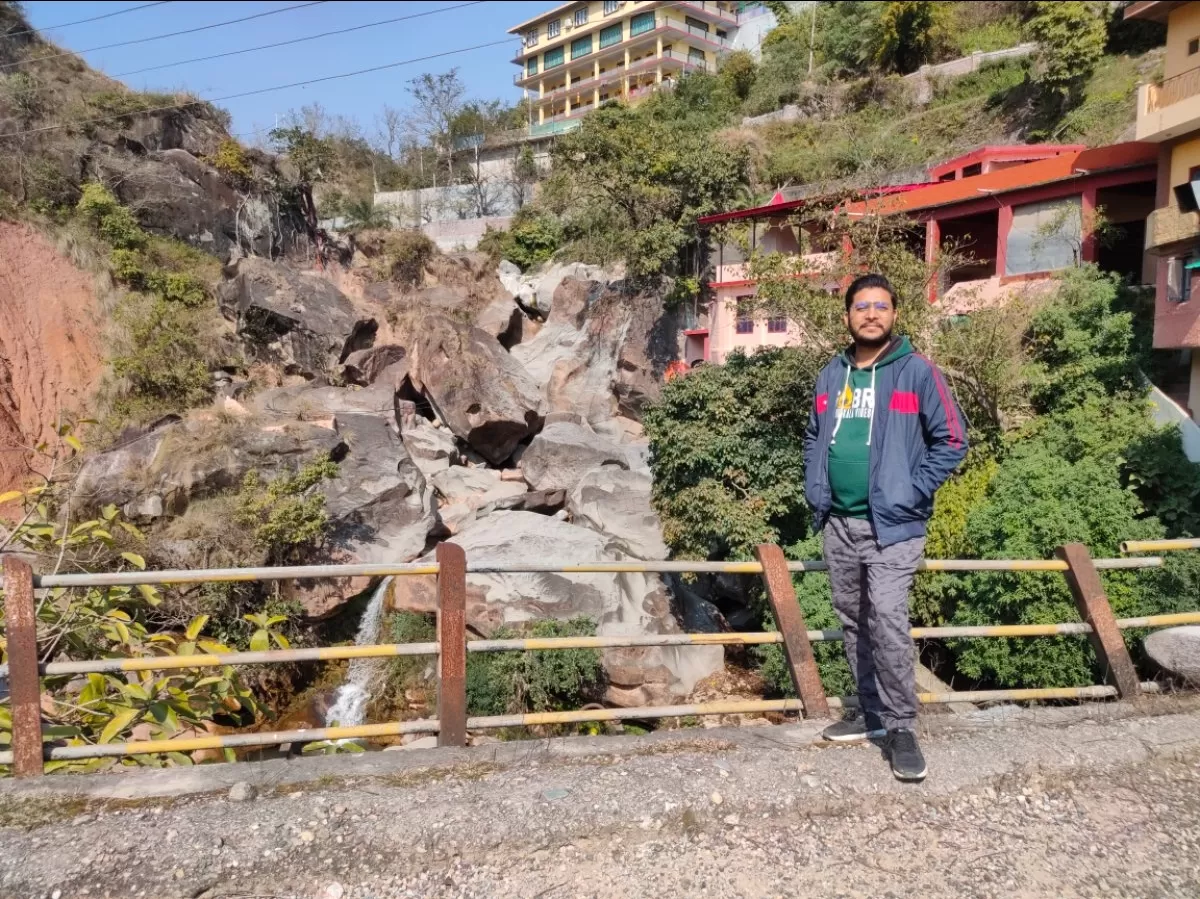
409, 627
403, 255
284, 514
532, 239
178, 287
112, 221
501, 683
231, 160
165, 360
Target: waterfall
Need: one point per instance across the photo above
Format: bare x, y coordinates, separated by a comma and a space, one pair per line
350, 702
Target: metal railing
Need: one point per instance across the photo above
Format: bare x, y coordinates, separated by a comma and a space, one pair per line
1173, 90
24, 671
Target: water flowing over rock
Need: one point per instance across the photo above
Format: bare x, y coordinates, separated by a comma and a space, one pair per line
349, 705
622, 605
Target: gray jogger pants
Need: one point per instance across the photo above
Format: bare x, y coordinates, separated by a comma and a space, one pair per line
870, 595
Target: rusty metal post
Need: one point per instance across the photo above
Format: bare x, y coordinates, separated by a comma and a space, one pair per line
25, 693
1090, 598
790, 621
452, 643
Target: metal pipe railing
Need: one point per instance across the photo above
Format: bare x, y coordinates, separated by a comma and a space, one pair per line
1158, 546
451, 568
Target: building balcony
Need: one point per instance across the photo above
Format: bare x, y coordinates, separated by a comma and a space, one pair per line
670, 61
664, 27
1169, 228
1170, 109
708, 11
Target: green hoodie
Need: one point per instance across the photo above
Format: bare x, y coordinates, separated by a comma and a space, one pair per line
850, 450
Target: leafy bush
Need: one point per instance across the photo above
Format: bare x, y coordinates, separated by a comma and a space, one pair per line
231, 160
164, 363
403, 255
113, 222
532, 239
284, 514
501, 683
727, 449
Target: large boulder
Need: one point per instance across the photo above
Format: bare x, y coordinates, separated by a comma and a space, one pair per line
432, 449
546, 293
616, 503
161, 472
623, 604
564, 452
380, 510
475, 487
310, 402
474, 385
383, 364
1177, 650
297, 319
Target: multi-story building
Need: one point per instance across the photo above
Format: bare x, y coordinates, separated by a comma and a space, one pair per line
580, 55
1168, 115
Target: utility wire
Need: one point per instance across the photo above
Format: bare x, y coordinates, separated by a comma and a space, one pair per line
107, 15
261, 90
298, 40
159, 37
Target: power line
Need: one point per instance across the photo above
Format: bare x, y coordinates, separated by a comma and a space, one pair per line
159, 37
298, 40
261, 90
107, 15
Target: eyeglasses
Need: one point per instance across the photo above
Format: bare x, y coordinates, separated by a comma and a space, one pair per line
878, 306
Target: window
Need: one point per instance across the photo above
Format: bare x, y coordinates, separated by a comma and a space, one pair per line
777, 325
1045, 236
581, 47
696, 56
695, 24
531, 38
610, 36
745, 323
1179, 279
641, 24
1194, 46
581, 17
531, 66
552, 59
611, 6
554, 29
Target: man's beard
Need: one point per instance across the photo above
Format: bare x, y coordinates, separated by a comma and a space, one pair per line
871, 343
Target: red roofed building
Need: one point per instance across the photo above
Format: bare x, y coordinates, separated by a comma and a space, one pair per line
1021, 212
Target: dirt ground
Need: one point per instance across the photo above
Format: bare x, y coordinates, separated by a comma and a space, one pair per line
1101, 801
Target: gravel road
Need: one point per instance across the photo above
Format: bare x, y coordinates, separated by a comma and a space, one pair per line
1095, 804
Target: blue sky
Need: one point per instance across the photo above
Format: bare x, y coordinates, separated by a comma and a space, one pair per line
487, 73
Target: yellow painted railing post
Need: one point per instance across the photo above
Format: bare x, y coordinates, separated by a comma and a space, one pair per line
1094, 608
452, 642
790, 620
24, 681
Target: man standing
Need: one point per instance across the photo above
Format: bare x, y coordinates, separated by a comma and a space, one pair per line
883, 435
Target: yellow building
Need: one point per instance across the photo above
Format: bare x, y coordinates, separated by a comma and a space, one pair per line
1168, 115
579, 55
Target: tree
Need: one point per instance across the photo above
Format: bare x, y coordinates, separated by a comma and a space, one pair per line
909, 34
438, 100
314, 159
631, 185
363, 215
390, 125
1071, 35
739, 71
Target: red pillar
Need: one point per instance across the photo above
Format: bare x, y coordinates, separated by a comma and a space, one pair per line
1003, 227
1087, 250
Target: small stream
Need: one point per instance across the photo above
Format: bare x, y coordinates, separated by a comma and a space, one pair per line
349, 705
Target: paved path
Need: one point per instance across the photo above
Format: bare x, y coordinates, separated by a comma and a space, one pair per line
1099, 801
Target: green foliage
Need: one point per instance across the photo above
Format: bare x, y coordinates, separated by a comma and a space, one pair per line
231, 160
113, 222
846, 29
164, 363
909, 34
1082, 345
631, 183
403, 256
533, 238
315, 158
727, 451
409, 627
998, 34
501, 683
739, 72
111, 622
266, 632
364, 214
1071, 36
285, 514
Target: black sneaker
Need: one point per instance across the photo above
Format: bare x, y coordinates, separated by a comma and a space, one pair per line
907, 761
851, 728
